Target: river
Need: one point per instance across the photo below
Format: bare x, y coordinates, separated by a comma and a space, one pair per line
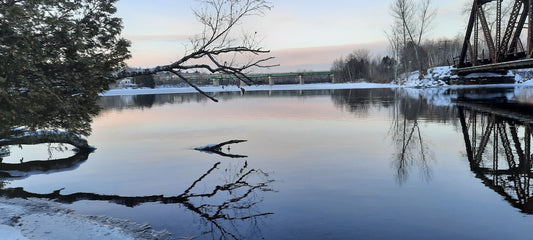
316, 164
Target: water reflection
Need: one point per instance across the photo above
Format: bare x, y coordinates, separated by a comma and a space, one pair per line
33, 119
23, 169
148, 101
218, 149
498, 144
227, 198
406, 107
228, 211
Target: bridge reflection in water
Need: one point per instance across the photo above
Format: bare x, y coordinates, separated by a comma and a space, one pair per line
498, 146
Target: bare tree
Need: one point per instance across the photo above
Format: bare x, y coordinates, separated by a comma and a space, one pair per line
394, 36
215, 49
414, 21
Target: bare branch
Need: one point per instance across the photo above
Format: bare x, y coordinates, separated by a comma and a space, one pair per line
215, 43
192, 85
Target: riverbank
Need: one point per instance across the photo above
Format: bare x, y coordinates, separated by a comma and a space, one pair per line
435, 77
173, 90
34, 219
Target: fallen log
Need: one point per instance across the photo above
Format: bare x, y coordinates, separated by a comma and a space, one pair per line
217, 149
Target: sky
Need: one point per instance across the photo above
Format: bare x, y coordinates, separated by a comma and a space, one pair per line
302, 35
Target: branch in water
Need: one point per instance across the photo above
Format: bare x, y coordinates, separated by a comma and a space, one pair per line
217, 149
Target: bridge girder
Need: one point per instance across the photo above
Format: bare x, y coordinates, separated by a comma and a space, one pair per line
501, 48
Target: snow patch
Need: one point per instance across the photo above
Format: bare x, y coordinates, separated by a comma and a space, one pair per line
211, 89
34, 219
434, 77
11, 233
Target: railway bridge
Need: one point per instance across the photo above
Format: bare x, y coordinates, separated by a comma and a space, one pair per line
500, 45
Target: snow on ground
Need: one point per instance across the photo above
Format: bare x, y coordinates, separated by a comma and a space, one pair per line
433, 78
34, 219
317, 86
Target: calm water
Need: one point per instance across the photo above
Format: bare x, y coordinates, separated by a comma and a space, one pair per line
343, 164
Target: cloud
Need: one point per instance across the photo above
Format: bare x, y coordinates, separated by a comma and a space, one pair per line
157, 37
290, 59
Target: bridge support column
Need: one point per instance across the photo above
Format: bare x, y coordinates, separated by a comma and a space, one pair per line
300, 77
216, 82
270, 81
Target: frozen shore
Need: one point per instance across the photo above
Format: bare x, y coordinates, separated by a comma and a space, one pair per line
433, 79
34, 219
317, 86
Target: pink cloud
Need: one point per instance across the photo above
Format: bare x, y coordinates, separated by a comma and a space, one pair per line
293, 59
320, 58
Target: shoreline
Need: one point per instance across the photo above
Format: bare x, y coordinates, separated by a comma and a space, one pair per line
233, 88
296, 87
36, 219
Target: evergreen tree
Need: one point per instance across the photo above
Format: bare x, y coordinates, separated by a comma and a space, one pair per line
58, 47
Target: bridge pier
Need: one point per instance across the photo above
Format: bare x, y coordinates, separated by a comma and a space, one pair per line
301, 79
216, 82
270, 80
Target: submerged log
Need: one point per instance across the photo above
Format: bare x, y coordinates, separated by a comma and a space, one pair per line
217, 149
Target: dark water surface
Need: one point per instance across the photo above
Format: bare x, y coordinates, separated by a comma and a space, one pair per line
342, 164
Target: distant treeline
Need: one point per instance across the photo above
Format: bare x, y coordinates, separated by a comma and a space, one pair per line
360, 65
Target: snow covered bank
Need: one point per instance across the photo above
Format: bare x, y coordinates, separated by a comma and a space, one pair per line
438, 76
33, 219
318, 86
434, 77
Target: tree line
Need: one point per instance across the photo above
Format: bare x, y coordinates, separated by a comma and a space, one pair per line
360, 65
409, 50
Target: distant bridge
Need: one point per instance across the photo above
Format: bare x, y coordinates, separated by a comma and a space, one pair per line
501, 49
291, 77
261, 78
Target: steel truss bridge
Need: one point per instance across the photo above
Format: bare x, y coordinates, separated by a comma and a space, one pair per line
499, 47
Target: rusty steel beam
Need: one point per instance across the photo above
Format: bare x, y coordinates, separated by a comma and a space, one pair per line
518, 30
530, 30
510, 29
504, 44
494, 67
486, 32
498, 24
468, 35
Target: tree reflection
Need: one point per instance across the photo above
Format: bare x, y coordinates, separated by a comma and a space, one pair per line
31, 118
32, 167
407, 107
409, 144
224, 209
359, 101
